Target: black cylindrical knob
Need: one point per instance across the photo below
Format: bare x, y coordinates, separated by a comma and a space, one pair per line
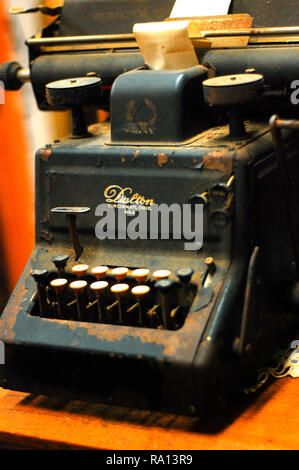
230, 90
220, 192
74, 93
40, 275
234, 91
81, 91
220, 218
41, 278
8, 75
60, 262
199, 199
164, 287
185, 274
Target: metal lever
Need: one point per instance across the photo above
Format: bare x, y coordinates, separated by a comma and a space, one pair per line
40, 8
243, 345
71, 213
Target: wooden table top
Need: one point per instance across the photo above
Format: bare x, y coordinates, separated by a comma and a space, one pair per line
269, 420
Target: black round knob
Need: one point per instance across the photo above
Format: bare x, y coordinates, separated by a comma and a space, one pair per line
8, 75
164, 285
199, 199
219, 192
74, 92
40, 275
185, 274
234, 91
231, 90
220, 218
60, 261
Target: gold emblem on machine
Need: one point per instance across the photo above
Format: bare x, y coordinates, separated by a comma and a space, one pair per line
126, 198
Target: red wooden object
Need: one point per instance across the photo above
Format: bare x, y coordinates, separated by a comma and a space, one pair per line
16, 191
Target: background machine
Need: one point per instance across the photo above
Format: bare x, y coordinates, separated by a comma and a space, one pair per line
146, 323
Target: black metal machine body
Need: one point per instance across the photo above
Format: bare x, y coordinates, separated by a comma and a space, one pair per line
222, 309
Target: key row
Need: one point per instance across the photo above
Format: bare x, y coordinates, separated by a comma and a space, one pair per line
119, 273
157, 305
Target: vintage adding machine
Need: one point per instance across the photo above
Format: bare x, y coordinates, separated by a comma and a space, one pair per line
146, 323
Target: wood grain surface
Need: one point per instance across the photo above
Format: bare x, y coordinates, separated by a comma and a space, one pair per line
269, 420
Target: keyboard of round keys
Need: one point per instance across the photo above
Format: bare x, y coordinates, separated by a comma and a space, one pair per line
114, 295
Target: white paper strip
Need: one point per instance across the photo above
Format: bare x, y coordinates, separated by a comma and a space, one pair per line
187, 8
165, 45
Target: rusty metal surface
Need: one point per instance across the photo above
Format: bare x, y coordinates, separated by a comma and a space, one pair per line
185, 345
194, 350
185, 368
